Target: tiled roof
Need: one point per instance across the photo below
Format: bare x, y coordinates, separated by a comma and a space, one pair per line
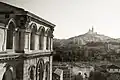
113, 67
58, 71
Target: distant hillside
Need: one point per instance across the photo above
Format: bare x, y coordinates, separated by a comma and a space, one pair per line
90, 46
90, 36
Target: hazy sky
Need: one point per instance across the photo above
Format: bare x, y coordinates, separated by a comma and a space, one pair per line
75, 17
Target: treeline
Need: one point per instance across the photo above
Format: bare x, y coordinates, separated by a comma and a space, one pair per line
74, 52
66, 52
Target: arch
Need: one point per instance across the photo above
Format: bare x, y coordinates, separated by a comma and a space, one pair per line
31, 70
49, 32
41, 29
48, 38
10, 34
8, 74
40, 69
41, 37
11, 20
33, 28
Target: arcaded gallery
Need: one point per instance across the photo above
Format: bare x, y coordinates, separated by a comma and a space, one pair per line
26, 45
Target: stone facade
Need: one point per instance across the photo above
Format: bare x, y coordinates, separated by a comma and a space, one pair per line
26, 45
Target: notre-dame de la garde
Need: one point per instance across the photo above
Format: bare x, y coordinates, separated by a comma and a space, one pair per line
26, 45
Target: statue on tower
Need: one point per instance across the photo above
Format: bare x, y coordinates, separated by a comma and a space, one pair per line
92, 29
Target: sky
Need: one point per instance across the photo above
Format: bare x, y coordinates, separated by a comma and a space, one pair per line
76, 17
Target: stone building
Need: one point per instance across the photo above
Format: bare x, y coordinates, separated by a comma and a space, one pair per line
58, 74
113, 68
25, 45
67, 71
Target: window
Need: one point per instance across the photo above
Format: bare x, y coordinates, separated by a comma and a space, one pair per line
32, 41
40, 70
32, 37
41, 39
47, 71
31, 72
10, 34
8, 74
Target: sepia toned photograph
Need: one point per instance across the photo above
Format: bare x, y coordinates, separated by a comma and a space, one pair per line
59, 40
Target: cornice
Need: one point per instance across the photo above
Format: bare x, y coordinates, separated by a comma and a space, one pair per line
40, 19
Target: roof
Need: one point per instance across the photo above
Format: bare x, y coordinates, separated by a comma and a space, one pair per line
58, 71
40, 19
10, 5
103, 66
10, 8
113, 67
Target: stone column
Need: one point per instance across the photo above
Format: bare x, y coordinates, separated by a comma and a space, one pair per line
16, 41
5, 35
50, 67
29, 37
22, 39
44, 74
51, 44
36, 42
26, 48
45, 42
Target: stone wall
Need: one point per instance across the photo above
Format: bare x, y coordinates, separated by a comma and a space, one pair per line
34, 61
15, 66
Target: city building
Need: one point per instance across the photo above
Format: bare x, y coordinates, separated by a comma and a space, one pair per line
25, 45
66, 70
58, 74
113, 69
83, 69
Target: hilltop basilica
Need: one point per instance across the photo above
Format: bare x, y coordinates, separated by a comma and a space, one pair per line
91, 31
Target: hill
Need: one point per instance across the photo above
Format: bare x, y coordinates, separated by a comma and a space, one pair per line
90, 36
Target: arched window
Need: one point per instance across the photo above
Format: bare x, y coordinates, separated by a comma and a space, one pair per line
41, 39
47, 77
8, 74
31, 70
40, 70
10, 34
48, 39
32, 38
